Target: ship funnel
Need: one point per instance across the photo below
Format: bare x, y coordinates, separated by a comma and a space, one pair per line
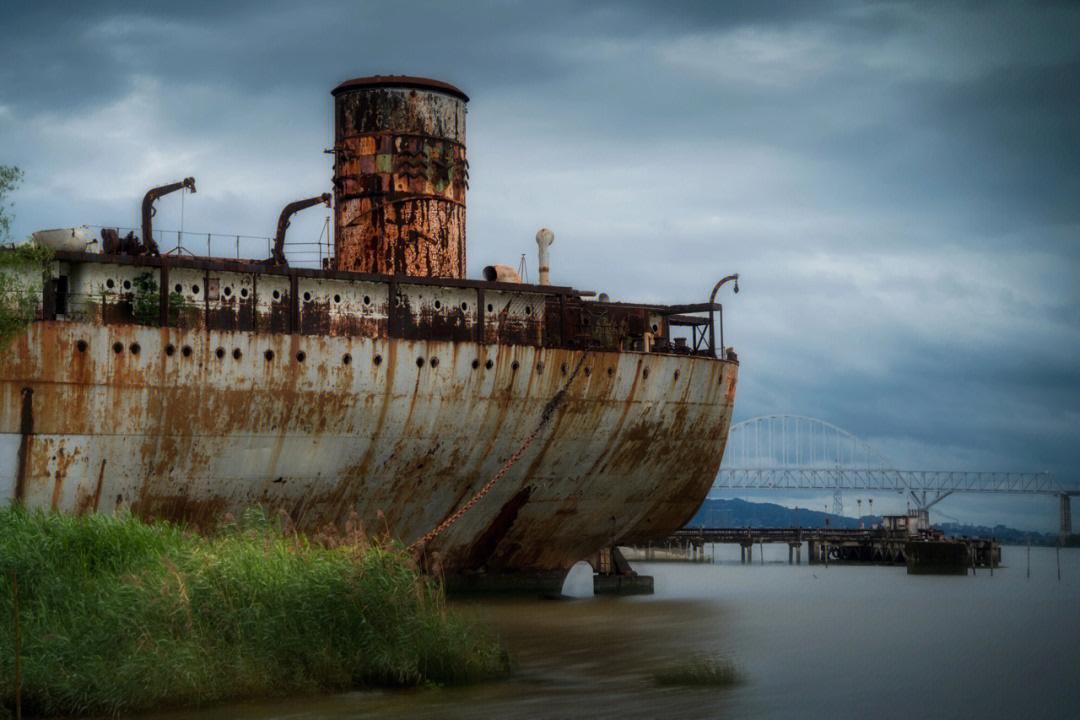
400, 177
544, 238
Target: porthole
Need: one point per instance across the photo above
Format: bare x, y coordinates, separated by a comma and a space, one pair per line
127, 284
585, 321
118, 348
419, 362
434, 362
135, 348
301, 356
81, 345
464, 306
475, 364
277, 294
515, 365
367, 299
397, 301
194, 289
489, 364
178, 287
186, 351
243, 292
491, 308
269, 355
307, 297
337, 298
563, 368
610, 371
170, 350
645, 373
378, 360
539, 367
438, 304
676, 374
110, 284
528, 310
227, 291
656, 328
588, 372
346, 359
220, 352
237, 354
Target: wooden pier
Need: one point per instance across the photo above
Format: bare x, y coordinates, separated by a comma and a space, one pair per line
826, 545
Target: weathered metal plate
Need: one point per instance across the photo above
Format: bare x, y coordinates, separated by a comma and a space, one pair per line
401, 431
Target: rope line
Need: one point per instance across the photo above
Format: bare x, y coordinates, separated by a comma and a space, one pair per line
549, 411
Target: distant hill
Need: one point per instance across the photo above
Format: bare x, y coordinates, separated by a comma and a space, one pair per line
740, 513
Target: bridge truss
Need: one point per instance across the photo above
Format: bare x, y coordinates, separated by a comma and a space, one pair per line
793, 452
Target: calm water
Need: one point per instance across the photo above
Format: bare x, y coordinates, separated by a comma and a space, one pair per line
810, 641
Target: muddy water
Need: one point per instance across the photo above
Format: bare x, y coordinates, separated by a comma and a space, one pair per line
809, 641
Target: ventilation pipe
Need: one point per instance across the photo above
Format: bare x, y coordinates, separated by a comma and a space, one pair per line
501, 273
148, 210
278, 255
712, 323
544, 238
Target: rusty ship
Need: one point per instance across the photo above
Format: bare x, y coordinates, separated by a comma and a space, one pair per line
384, 383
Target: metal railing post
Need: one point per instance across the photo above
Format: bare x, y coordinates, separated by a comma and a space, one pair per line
723, 354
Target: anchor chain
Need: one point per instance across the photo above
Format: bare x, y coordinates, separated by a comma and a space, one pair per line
549, 411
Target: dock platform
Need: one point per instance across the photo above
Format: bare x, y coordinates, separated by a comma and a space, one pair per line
828, 545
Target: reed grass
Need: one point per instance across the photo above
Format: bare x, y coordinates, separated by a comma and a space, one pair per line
117, 614
700, 671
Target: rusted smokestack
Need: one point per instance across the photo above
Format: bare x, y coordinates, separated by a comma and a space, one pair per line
148, 210
277, 256
400, 177
544, 238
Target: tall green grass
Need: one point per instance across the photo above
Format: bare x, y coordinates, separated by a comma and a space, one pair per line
117, 614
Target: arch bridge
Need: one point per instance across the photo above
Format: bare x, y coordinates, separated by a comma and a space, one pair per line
794, 452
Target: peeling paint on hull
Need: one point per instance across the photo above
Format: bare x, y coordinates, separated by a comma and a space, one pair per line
629, 456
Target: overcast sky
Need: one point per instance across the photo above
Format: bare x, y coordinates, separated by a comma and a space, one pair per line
897, 184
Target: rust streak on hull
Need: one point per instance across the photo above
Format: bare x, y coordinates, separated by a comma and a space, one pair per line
190, 438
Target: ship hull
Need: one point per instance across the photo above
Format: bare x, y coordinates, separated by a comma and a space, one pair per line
101, 418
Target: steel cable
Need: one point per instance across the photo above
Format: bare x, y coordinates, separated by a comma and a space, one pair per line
549, 411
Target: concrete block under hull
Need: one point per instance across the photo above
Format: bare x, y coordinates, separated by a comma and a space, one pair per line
622, 584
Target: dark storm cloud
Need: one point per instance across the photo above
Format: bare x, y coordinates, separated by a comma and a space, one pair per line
1015, 140
64, 54
84, 53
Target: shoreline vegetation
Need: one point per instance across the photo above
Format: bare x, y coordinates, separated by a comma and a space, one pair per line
116, 614
700, 671
19, 293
